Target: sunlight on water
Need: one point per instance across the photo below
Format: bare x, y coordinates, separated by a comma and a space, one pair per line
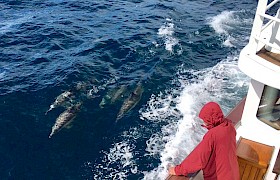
3, 73
13, 24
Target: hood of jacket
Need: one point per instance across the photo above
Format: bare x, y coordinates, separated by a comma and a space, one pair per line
212, 115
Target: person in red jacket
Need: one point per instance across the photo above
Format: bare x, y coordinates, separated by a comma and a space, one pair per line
215, 155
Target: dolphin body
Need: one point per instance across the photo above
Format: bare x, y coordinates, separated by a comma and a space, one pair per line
65, 118
60, 100
66, 98
131, 101
112, 96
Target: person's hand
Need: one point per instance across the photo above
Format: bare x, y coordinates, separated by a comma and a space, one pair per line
171, 171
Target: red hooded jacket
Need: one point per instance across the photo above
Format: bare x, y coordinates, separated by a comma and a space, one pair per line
216, 153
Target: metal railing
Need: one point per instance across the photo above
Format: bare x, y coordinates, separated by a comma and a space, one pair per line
257, 41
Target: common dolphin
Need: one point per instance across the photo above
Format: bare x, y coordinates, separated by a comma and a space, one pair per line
131, 101
65, 118
112, 96
60, 100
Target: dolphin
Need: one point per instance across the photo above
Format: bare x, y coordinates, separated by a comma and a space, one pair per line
118, 94
131, 101
112, 96
81, 86
60, 100
65, 118
106, 99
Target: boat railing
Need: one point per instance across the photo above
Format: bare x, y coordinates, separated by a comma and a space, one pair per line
262, 27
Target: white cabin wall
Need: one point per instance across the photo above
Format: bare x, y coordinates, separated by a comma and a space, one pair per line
252, 103
259, 69
253, 129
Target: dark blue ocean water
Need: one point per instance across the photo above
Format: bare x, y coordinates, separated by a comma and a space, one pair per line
182, 53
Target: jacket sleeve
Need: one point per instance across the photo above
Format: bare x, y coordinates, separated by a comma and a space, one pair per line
198, 158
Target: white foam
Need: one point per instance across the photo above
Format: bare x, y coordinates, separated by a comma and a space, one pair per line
220, 22
159, 109
120, 152
117, 163
132, 133
166, 32
227, 23
183, 131
228, 41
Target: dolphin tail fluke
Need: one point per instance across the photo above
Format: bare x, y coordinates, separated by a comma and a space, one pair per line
47, 111
50, 136
117, 119
51, 107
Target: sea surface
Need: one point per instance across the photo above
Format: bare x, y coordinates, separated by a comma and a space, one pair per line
180, 53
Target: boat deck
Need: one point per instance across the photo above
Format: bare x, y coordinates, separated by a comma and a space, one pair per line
269, 56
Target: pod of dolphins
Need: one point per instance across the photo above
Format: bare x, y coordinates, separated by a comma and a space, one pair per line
68, 100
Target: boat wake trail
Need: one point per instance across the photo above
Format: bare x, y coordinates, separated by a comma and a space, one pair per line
181, 130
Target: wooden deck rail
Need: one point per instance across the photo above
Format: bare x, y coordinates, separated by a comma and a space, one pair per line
253, 158
269, 56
